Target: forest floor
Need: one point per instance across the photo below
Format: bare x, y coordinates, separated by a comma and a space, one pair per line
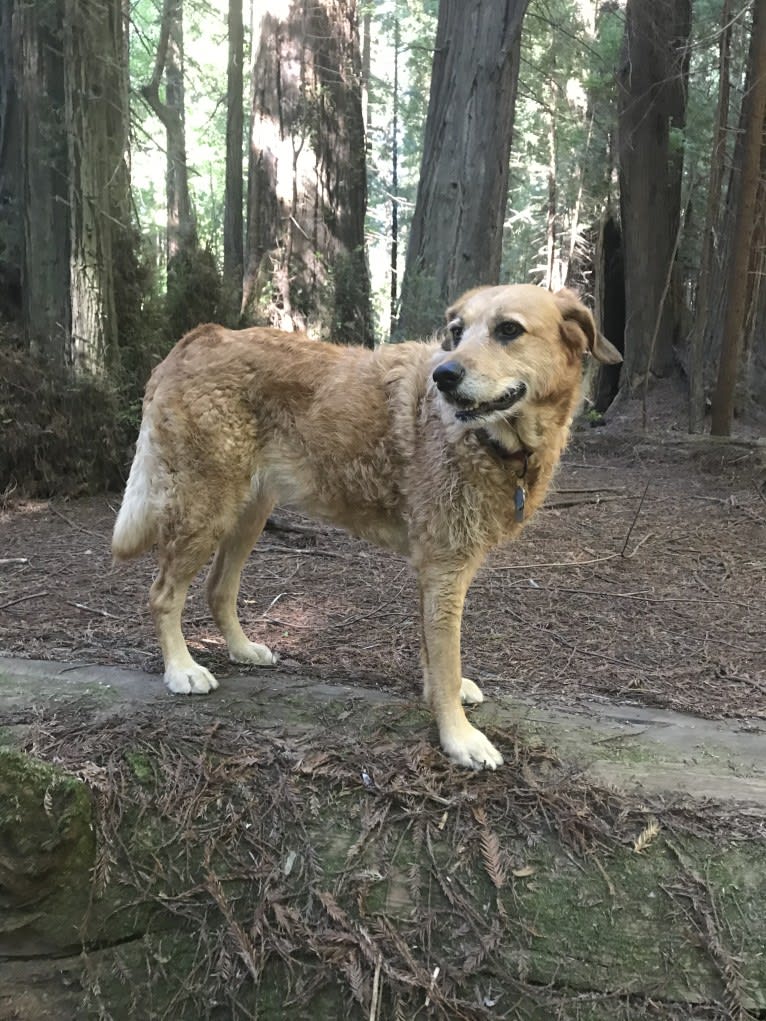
643, 581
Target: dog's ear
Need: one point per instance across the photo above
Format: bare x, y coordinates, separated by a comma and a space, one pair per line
579, 329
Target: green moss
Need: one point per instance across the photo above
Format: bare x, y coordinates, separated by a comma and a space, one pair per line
631, 923
141, 766
47, 849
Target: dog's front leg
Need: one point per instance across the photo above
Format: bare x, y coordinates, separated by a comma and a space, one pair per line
442, 595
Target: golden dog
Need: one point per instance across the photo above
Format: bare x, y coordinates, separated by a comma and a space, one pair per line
437, 451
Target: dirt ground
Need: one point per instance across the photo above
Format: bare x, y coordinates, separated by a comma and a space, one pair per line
643, 581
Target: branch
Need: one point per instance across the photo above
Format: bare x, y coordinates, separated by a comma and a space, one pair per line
151, 91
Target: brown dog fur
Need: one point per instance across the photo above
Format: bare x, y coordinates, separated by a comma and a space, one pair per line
235, 422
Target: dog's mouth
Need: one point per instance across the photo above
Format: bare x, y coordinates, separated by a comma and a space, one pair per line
467, 410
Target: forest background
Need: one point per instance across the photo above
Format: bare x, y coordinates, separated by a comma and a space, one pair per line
349, 167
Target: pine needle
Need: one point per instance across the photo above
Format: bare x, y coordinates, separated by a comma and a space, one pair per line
646, 836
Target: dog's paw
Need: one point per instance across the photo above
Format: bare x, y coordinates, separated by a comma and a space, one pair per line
470, 748
470, 693
190, 680
253, 654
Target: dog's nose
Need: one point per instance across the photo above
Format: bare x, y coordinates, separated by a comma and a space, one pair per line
448, 376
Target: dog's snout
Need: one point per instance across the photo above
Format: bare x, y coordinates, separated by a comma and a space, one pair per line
448, 376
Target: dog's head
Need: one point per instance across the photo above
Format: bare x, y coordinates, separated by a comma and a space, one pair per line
511, 346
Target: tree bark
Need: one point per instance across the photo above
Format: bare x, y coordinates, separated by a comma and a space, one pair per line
10, 169
551, 283
712, 217
394, 282
738, 285
233, 238
457, 229
652, 90
96, 124
44, 199
64, 102
305, 261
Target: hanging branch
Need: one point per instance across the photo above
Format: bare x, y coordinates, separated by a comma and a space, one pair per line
151, 91
181, 227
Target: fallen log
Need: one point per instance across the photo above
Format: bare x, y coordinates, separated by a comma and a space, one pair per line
294, 849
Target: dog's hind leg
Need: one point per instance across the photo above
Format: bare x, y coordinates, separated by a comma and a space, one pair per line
180, 558
470, 692
224, 578
442, 594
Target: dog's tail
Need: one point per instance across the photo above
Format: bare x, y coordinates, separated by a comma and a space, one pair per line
135, 529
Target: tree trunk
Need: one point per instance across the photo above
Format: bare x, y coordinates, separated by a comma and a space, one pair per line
96, 124
44, 199
738, 286
457, 229
755, 336
712, 218
394, 283
551, 281
609, 299
652, 89
233, 239
243, 862
305, 261
10, 170
64, 184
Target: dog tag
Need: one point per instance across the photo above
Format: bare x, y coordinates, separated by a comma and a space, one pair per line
519, 501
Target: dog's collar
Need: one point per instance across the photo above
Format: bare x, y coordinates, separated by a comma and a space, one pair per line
516, 459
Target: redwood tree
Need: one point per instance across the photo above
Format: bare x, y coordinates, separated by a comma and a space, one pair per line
63, 85
305, 265
97, 138
41, 187
738, 276
457, 229
233, 252
652, 111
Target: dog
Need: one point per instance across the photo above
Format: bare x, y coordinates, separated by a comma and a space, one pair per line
439, 451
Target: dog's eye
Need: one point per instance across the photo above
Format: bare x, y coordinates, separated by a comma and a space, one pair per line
456, 330
509, 329
454, 333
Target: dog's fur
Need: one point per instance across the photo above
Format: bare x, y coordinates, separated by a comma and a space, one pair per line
235, 422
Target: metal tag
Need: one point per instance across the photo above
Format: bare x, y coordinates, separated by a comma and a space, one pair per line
519, 502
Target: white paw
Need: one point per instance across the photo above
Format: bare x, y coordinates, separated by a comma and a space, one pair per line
253, 654
190, 680
469, 747
470, 693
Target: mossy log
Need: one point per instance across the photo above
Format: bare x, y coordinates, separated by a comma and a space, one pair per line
306, 853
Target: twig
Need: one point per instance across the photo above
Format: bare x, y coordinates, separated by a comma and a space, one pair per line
375, 997
311, 552
573, 501
563, 563
13, 560
587, 653
92, 609
597, 489
633, 522
638, 545
73, 524
21, 599
644, 596
279, 525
